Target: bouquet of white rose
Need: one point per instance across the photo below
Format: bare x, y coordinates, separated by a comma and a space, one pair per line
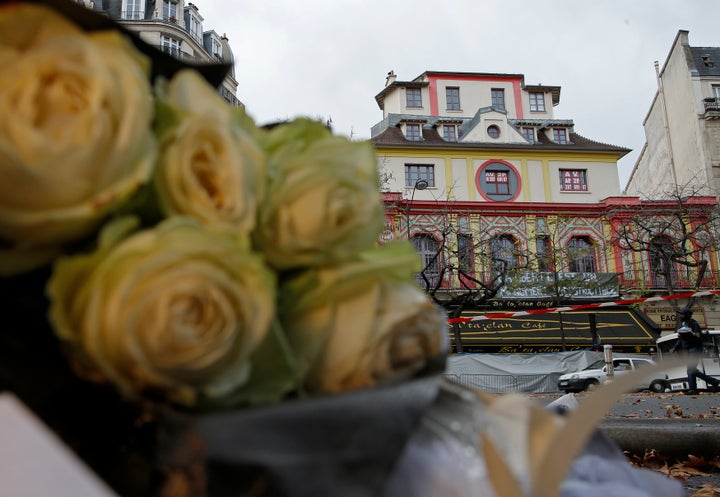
169, 269
198, 306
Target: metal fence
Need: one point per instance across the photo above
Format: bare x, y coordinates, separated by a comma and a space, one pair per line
503, 383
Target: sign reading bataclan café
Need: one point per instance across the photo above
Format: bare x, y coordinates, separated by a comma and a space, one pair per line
627, 329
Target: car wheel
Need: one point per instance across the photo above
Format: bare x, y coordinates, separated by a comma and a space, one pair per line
591, 385
658, 386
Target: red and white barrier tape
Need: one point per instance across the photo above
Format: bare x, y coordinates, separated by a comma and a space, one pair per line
496, 315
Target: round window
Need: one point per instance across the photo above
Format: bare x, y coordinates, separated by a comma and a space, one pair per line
493, 131
497, 180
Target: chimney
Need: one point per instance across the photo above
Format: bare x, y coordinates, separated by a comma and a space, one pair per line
391, 77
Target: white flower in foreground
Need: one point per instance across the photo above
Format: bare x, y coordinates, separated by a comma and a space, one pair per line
76, 137
209, 167
323, 201
175, 312
362, 322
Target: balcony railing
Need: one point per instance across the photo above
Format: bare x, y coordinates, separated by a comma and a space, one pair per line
712, 104
177, 53
678, 279
132, 15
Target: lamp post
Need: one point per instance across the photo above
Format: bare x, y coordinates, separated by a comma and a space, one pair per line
420, 184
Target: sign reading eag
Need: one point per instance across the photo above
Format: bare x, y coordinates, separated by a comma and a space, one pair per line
666, 317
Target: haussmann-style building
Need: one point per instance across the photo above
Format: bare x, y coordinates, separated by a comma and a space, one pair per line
487, 182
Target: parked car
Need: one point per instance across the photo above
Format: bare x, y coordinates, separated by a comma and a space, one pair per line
596, 374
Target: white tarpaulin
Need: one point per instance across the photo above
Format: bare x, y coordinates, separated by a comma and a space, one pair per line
535, 373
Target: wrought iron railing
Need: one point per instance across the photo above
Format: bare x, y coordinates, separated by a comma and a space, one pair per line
132, 15
712, 104
678, 279
177, 53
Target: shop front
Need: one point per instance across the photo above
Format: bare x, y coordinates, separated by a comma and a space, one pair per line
627, 329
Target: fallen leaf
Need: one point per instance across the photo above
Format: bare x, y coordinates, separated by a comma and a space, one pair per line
697, 462
707, 491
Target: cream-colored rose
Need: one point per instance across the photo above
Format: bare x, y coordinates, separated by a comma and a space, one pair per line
363, 322
75, 138
323, 200
175, 312
209, 168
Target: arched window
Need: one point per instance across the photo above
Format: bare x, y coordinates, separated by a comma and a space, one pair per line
503, 252
661, 265
465, 252
581, 255
429, 249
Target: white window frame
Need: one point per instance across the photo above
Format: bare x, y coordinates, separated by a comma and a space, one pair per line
450, 132
171, 46
133, 10
413, 135
537, 101
528, 132
497, 95
560, 136
416, 103
455, 105
195, 28
170, 10
415, 172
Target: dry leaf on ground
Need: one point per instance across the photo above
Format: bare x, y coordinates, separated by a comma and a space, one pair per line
707, 491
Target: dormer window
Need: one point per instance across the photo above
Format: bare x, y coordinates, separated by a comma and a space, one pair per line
194, 23
707, 60
560, 136
528, 133
413, 97
413, 132
449, 132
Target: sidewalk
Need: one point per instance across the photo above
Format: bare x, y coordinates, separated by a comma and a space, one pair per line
674, 424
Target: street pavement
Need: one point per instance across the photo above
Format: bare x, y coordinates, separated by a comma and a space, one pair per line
674, 424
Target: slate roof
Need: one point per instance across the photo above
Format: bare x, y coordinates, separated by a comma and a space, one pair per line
706, 60
392, 136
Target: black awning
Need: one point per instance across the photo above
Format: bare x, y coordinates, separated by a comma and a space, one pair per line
627, 330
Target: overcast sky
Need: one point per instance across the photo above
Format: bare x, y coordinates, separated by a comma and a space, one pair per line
329, 58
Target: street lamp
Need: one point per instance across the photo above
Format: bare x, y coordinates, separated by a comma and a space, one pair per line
420, 184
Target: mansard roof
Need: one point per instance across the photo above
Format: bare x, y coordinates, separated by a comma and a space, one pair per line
390, 135
706, 60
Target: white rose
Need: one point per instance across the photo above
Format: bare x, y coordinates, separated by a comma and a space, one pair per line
75, 139
210, 168
323, 201
175, 312
362, 322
